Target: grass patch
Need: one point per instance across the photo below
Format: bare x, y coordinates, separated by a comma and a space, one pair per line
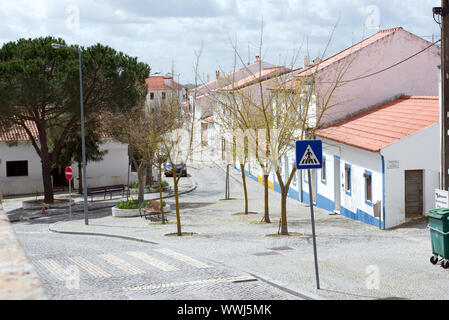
183, 234
290, 234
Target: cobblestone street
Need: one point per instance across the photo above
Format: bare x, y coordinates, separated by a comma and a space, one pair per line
350, 253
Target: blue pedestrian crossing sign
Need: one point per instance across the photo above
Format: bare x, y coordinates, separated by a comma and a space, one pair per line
309, 154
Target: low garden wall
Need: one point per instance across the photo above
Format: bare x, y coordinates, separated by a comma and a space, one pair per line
18, 279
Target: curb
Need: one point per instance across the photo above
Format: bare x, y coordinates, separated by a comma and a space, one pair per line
51, 229
277, 284
109, 205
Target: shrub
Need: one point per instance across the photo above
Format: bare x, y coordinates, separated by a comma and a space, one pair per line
134, 204
134, 185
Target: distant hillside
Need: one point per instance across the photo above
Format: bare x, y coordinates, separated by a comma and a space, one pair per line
190, 85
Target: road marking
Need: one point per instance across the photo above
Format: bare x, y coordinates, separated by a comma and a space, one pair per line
152, 261
55, 269
92, 269
183, 258
121, 264
189, 283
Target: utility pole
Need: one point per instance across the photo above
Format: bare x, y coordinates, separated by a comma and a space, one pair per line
443, 12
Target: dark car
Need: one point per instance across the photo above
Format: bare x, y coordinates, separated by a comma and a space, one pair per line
179, 167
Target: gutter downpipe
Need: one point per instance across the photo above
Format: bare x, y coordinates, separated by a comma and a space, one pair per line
383, 190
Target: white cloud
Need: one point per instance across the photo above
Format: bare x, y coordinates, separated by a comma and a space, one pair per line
159, 32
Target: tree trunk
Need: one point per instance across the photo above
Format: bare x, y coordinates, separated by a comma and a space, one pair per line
46, 179
160, 193
284, 229
149, 181
141, 178
245, 191
80, 178
267, 213
178, 216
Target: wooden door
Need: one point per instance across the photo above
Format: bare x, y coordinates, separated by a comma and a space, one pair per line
414, 192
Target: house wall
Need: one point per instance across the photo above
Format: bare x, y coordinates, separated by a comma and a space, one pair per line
420, 151
20, 185
158, 101
353, 204
113, 169
417, 76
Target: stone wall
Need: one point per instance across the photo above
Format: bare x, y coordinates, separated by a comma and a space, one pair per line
18, 279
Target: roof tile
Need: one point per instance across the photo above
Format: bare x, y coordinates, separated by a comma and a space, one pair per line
385, 125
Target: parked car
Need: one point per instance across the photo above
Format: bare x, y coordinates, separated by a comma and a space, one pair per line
179, 167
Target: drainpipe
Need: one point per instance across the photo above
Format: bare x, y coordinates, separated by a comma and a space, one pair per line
383, 189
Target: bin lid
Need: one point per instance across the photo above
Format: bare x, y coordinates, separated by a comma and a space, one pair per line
438, 213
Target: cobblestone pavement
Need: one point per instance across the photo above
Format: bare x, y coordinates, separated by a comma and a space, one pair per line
356, 261
86, 267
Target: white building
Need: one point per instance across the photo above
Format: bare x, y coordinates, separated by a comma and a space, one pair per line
388, 154
381, 68
21, 170
162, 89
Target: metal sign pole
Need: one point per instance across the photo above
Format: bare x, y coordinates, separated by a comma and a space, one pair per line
70, 199
313, 231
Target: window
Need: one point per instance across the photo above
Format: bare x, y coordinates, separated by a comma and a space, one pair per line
151, 95
368, 188
16, 168
163, 95
323, 171
348, 179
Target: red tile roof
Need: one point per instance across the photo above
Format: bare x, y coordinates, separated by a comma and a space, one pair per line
381, 34
347, 52
18, 134
157, 83
262, 75
385, 125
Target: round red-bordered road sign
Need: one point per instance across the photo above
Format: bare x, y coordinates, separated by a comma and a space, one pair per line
68, 173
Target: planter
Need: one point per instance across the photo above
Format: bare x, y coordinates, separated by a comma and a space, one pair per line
37, 204
125, 213
132, 213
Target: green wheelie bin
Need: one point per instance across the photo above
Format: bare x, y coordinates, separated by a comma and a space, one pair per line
439, 234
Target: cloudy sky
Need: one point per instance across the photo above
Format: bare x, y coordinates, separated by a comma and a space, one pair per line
165, 33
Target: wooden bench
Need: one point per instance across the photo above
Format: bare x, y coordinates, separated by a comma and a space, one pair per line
153, 210
105, 190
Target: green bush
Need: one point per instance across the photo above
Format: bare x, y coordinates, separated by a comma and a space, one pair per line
134, 204
134, 185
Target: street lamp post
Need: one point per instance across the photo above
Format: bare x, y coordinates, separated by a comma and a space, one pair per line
83, 142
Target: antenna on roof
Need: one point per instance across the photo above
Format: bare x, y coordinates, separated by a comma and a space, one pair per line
248, 54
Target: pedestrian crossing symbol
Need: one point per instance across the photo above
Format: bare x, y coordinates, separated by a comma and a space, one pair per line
309, 154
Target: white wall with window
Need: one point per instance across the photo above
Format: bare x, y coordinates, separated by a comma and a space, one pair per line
20, 169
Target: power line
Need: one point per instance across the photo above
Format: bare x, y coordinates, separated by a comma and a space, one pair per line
387, 68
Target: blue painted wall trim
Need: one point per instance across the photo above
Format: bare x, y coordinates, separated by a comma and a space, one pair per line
325, 203
360, 216
369, 202
349, 193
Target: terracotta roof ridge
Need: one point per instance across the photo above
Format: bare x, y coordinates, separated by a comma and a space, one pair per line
420, 97
352, 49
391, 30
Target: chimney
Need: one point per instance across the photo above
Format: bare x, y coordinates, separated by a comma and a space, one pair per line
217, 74
306, 61
208, 78
317, 60
257, 58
